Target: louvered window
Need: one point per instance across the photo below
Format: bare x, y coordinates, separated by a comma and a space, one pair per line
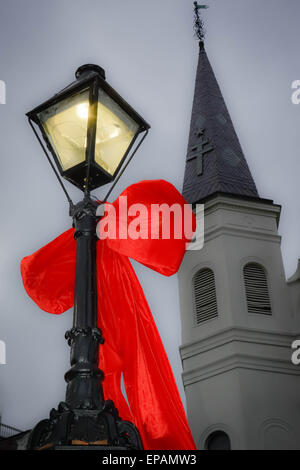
257, 292
205, 295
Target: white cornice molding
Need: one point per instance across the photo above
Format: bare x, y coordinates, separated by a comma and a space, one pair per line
239, 361
239, 204
296, 276
241, 233
240, 358
240, 334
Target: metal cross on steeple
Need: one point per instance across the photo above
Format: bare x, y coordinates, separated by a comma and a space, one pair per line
198, 22
199, 150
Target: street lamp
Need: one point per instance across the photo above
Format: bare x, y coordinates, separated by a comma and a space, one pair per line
89, 130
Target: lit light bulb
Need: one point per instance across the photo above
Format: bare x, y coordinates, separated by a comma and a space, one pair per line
82, 110
115, 132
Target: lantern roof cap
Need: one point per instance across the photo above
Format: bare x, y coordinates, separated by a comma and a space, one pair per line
88, 68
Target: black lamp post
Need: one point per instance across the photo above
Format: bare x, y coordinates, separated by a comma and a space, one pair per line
89, 130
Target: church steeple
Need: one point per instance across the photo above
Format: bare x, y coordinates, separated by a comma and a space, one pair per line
215, 161
237, 317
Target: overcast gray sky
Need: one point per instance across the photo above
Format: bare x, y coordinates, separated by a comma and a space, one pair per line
150, 55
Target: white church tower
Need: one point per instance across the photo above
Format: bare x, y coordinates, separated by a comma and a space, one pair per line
239, 315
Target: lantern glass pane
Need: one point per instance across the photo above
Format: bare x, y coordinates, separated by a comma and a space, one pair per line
65, 125
115, 131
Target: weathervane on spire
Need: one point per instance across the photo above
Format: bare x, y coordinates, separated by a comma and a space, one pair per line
198, 22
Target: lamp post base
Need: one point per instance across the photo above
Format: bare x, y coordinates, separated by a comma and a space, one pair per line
84, 429
89, 447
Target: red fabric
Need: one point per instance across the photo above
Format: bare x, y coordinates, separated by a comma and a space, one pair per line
132, 343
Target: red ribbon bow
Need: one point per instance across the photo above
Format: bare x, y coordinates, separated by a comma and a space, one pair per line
132, 343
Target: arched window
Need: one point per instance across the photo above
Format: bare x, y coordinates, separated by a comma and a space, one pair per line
205, 295
257, 292
218, 440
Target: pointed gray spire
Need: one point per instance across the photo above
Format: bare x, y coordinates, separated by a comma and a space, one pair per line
215, 161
